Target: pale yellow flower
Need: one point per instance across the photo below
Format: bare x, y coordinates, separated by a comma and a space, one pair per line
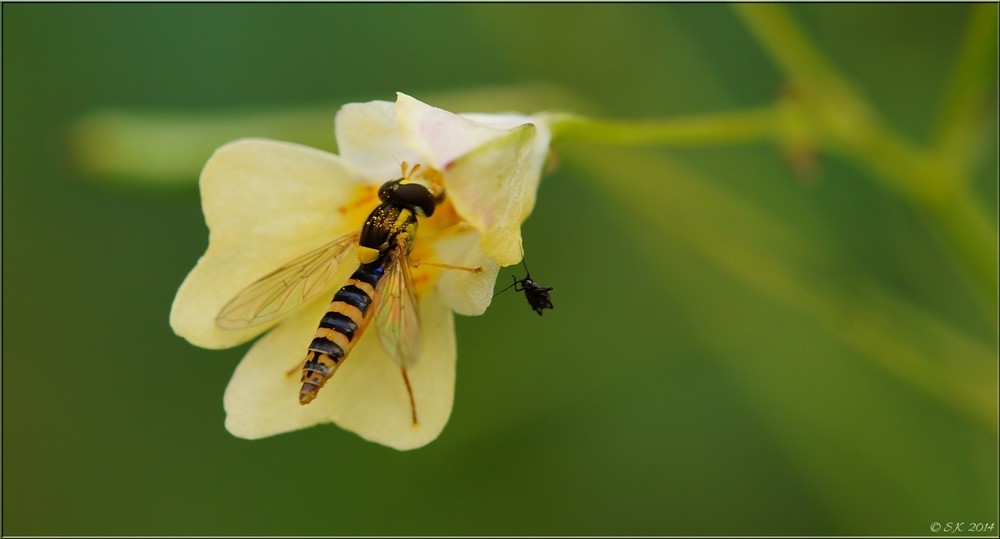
267, 203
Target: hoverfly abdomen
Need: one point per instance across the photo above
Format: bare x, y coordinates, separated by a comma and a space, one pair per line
341, 323
383, 244
339, 329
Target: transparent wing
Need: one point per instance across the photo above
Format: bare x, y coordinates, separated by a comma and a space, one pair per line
286, 287
397, 316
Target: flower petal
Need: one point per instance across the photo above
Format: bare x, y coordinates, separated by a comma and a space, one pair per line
464, 292
488, 189
539, 153
262, 396
265, 203
440, 136
368, 139
366, 395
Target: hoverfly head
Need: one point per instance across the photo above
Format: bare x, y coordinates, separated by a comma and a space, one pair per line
411, 192
417, 197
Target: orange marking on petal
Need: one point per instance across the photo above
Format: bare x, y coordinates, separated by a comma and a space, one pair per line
362, 201
421, 279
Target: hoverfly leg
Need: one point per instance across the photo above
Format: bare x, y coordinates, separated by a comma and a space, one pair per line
297, 368
417, 263
457, 227
409, 391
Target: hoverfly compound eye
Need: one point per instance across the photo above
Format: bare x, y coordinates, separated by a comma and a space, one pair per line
417, 196
385, 192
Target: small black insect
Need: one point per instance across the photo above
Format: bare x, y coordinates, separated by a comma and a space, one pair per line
536, 294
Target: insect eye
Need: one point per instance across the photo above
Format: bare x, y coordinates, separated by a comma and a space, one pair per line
385, 192
418, 196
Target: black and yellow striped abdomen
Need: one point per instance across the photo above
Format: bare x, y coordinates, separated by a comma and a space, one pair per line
343, 324
353, 306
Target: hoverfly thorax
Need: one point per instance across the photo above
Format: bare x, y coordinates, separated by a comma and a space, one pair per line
401, 204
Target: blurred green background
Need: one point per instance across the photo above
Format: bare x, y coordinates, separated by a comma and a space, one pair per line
735, 349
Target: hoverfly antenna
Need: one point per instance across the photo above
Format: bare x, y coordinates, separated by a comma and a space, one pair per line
408, 175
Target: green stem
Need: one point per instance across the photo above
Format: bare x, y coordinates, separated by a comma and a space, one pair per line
789, 47
975, 73
770, 256
972, 235
731, 128
169, 149
934, 181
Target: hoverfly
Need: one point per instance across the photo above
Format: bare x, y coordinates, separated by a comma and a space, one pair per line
536, 294
381, 288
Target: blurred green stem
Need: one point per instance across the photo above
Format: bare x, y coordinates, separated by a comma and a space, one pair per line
934, 180
731, 128
968, 92
770, 256
822, 108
